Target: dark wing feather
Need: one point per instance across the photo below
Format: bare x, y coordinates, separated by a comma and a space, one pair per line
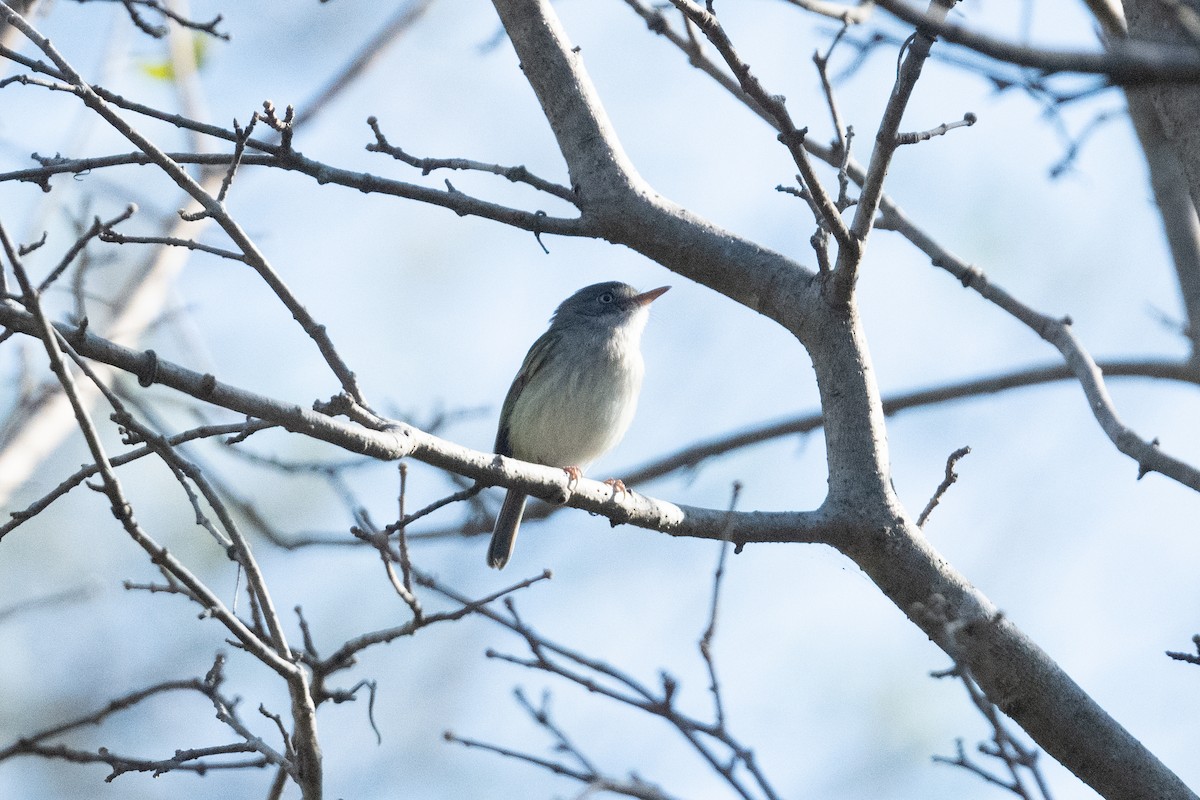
535, 359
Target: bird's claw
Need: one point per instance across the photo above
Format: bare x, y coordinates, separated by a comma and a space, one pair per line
573, 475
618, 486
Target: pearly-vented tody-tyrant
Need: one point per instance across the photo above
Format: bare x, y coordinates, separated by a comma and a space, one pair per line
575, 393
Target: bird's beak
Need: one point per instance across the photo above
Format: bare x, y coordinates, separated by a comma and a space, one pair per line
646, 298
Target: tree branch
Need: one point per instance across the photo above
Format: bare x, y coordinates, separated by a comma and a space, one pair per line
1147, 454
400, 440
1126, 62
879, 536
254, 257
886, 141
828, 215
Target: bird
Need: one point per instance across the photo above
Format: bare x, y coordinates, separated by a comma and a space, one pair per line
575, 394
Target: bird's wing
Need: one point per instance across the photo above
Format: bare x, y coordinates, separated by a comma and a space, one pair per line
535, 359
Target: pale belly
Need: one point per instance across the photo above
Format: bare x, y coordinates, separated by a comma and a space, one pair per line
582, 416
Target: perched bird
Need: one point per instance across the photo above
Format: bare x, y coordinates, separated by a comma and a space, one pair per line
575, 393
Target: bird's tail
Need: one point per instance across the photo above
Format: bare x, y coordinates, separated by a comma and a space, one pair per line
504, 535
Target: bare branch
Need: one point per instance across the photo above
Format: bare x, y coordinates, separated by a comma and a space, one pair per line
1124, 62
821, 62
967, 121
944, 486
188, 760
457, 201
112, 237
1148, 455
163, 10
399, 440
887, 140
344, 655
1005, 747
77, 478
710, 631
254, 257
1188, 657
97, 230
712, 741
518, 174
542, 716
634, 787
657, 23
791, 137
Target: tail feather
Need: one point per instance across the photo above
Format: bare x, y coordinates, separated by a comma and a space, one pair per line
504, 535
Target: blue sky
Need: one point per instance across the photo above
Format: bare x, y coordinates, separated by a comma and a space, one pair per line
825, 678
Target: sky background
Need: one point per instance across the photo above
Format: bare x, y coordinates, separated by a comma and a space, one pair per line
824, 678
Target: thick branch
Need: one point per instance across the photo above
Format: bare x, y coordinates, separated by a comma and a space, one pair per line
1126, 61
879, 537
1166, 118
619, 204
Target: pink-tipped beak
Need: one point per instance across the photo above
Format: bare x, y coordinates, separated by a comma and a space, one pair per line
646, 298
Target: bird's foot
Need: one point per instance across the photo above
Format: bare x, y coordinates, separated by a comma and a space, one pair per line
618, 486
573, 476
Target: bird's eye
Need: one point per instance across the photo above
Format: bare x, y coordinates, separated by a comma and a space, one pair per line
606, 298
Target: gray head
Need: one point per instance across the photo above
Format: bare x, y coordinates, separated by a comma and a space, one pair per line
609, 303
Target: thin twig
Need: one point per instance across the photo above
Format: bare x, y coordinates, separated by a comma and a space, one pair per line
597, 676
401, 534
517, 174
947, 482
159, 31
706, 639
886, 141
88, 471
789, 135
254, 256
562, 743
97, 229
1188, 657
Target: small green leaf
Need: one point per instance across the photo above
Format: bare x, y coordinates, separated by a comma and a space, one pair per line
164, 70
